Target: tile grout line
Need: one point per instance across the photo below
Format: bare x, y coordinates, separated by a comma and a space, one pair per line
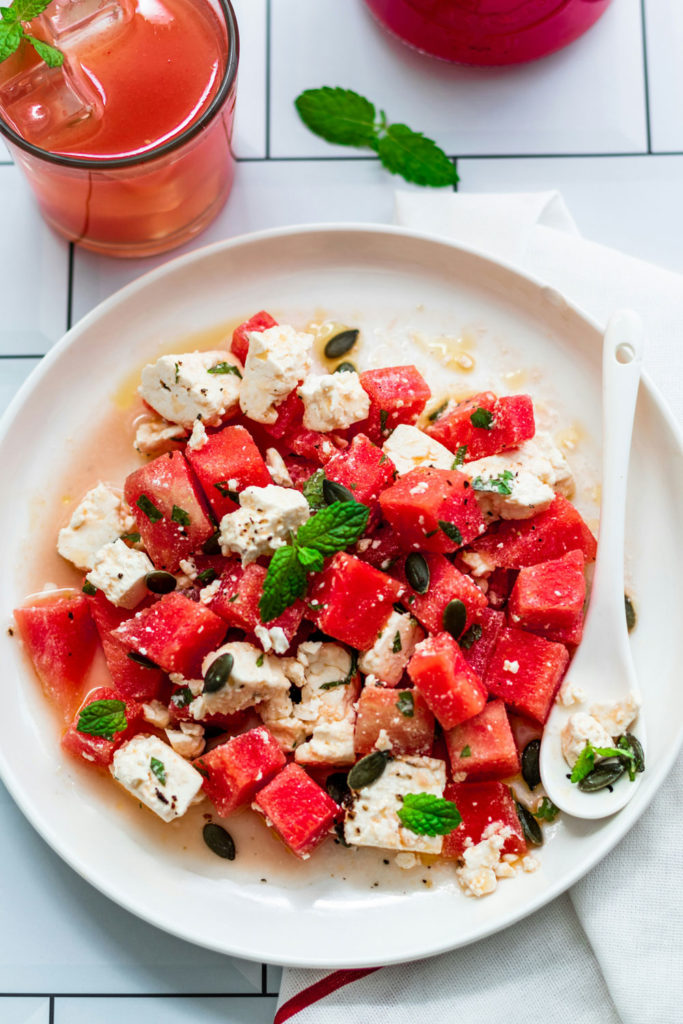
467, 156
264, 979
51, 1011
643, 23
268, 55
136, 995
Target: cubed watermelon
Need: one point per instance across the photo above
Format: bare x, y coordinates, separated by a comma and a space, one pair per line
485, 425
312, 445
351, 601
175, 633
240, 342
300, 470
526, 671
432, 510
381, 547
235, 771
237, 599
548, 598
228, 462
364, 469
402, 714
446, 584
170, 510
550, 534
478, 641
499, 587
298, 809
398, 394
483, 748
132, 680
98, 749
482, 804
60, 638
290, 417
448, 684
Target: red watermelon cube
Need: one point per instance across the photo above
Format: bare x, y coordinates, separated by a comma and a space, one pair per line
60, 638
445, 680
485, 425
478, 641
526, 672
240, 342
99, 749
351, 601
432, 510
402, 714
169, 508
364, 469
548, 598
312, 445
133, 681
380, 547
482, 804
237, 601
483, 747
229, 461
234, 771
298, 809
398, 394
446, 584
175, 633
290, 417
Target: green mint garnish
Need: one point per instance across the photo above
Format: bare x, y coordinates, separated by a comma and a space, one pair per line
439, 411
12, 31
149, 508
180, 516
207, 576
466, 751
259, 661
103, 718
225, 368
181, 698
428, 815
482, 418
470, 636
89, 588
313, 490
406, 704
177, 371
546, 811
586, 759
334, 528
459, 456
383, 417
311, 559
496, 484
132, 538
344, 117
285, 582
451, 531
397, 645
159, 769
225, 491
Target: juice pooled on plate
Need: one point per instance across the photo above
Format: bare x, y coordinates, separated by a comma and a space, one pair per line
127, 144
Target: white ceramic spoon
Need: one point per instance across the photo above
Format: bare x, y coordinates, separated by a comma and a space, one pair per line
603, 666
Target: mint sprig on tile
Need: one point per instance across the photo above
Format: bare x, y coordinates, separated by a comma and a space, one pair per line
12, 31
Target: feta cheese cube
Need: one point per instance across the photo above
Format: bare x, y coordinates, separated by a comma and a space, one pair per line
482, 863
409, 448
333, 401
278, 359
264, 521
120, 573
327, 711
277, 467
273, 639
100, 518
579, 730
170, 789
181, 388
156, 713
616, 716
255, 677
153, 437
372, 819
393, 649
187, 740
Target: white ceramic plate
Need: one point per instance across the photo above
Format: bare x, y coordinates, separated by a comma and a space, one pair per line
404, 290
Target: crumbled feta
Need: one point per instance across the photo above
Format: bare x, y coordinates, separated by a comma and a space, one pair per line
480, 565
327, 712
409, 448
579, 730
189, 567
278, 359
195, 686
255, 677
277, 467
482, 863
406, 861
538, 470
530, 863
198, 437
156, 713
120, 573
570, 694
187, 740
372, 819
132, 768
277, 713
511, 666
153, 437
615, 717
263, 523
273, 639
100, 518
393, 648
207, 593
333, 401
181, 389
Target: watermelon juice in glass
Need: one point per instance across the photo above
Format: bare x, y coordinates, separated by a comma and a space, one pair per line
488, 31
127, 144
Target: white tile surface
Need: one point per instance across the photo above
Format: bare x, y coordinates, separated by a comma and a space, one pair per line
629, 203
587, 98
19, 1010
664, 30
13, 373
34, 265
249, 139
164, 1011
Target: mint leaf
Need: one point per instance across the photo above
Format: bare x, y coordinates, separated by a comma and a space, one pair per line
334, 528
159, 769
459, 456
353, 667
546, 811
26, 10
415, 157
89, 588
53, 57
11, 34
429, 815
225, 368
451, 531
180, 516
284, 583
482, 418
586, 759
496, 484
103, 718
313, 490
311, 559
396, 645
466, 751
406, 704
338, 115
12, 31
182, 697
149, 508
435, 414
470, 636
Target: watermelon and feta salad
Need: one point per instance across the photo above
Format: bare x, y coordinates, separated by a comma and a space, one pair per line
326, 602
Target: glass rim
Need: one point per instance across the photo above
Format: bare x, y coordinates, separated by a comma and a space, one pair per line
93, 163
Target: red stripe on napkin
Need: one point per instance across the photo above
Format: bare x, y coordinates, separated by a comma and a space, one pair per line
322, 988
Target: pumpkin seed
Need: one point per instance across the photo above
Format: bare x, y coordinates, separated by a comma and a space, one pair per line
160, 582
332, 491
606, 773
219, 841
630, 613
533, 833
140, 659
531, 773
341, 343
417, 572
633, 743
345, 367
368, 769
337, 787
454, 618
218, 673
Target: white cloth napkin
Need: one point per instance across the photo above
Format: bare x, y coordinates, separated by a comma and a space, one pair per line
611, 950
